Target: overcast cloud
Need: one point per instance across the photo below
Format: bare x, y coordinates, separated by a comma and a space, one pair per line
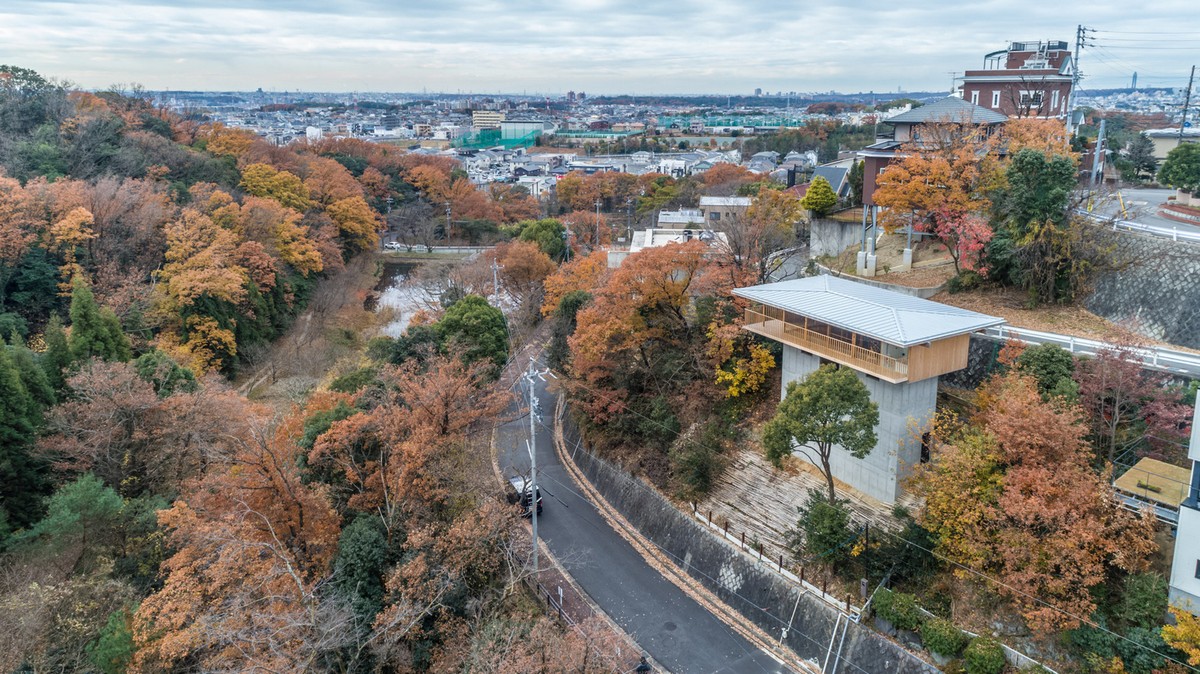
598, 46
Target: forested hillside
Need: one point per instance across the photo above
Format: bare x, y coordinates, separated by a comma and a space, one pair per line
152, 519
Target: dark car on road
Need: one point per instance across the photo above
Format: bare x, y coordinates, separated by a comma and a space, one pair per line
522, 494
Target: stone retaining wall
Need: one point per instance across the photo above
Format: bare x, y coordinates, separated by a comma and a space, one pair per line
1159, 294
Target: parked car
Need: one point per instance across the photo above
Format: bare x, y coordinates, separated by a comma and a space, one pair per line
521, 494
393, 245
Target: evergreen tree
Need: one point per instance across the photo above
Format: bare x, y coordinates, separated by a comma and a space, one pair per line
57, 357
477, 328
95, 332
33, 378
21, 480
820, 198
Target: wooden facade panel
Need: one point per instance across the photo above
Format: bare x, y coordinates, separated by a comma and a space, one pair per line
940, 357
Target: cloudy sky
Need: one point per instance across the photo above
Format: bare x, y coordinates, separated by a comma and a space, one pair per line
598, 46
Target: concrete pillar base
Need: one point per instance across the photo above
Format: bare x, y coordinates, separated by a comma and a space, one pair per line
861, 264
906, 261
870, 270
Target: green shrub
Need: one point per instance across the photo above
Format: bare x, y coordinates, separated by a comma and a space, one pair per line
823, 532
984, 656
898, 608
942, 637
963, 281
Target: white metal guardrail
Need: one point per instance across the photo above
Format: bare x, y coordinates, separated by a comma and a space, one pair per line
1172, 233
1154, 357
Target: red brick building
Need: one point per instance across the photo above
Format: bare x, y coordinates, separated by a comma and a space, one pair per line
1029, 79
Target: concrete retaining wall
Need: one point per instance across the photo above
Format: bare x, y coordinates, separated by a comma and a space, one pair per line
923, 293
830, 237
761, 596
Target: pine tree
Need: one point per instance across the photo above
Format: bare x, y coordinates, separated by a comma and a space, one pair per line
95, 332
57, 357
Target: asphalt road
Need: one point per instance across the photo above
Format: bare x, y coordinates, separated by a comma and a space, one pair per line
668, 624
1141, 205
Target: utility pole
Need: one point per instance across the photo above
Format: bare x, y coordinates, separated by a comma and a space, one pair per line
1187, 101
597, 224
1097, 158
1080, 36
447, 222
533, 496
495, 282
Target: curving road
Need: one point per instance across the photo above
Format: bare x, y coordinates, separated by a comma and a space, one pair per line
675, 630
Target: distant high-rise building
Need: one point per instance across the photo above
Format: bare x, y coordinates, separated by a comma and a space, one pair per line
1028, 79
1133, 84
570, 96
582, 96
758, 91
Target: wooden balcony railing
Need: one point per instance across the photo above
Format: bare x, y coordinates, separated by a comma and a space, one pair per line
885, 367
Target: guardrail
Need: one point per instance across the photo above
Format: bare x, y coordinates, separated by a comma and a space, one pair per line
1172, 233
1152, 357
438, 250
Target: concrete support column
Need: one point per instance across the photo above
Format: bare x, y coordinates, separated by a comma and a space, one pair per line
861, 264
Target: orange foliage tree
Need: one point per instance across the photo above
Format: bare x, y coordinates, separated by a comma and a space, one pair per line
581, 273
952, 167
643, 307
253, 545
1016, 497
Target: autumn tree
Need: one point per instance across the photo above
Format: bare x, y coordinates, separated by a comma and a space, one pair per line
1047, 136
820, 197
965, 236
1130, 408
951, 167
1016, 497
356, 222
523, 268
253, 544
639, 344
831, 409
724, 178
142, 431
753, 239
261, 180
581, 273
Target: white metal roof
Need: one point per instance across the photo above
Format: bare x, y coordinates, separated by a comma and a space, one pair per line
886, 315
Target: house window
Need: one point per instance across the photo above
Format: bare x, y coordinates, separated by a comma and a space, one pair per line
974, 98
1031, 99
1054, 99
995, 99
